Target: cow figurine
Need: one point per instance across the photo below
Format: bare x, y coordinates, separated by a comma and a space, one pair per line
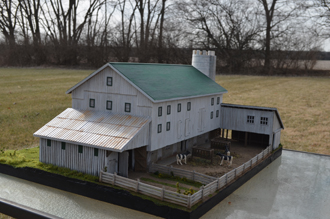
227, 151
223, 157
180, 157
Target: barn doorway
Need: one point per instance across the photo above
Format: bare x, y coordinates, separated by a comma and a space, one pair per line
249, 138
140, 158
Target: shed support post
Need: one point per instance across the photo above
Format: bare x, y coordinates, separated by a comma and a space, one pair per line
246, 137
227, 134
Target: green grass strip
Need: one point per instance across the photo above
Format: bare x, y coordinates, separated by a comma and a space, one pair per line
182, 180
162, 183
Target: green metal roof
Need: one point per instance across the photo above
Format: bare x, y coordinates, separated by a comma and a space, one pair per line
163, 81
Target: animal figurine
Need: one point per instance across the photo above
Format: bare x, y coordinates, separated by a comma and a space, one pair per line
223, 157
180, 157
227, 151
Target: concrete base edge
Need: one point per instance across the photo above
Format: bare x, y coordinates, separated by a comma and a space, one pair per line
124, 198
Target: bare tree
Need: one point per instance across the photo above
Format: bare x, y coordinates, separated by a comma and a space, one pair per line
8, 21
228, 26
64, 28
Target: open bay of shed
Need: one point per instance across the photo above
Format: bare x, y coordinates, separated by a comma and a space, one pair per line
296, 185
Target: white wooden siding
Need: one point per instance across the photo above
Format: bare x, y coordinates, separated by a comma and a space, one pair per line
119, 93
277, 139
84, 162
236, 119
184, 124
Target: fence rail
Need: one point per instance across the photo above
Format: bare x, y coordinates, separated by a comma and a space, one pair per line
212, 184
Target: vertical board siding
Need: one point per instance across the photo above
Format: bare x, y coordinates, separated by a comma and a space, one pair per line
179, 131
84, 162
236, 119
119, 93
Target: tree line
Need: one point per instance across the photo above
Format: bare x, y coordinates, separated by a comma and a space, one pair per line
255, 35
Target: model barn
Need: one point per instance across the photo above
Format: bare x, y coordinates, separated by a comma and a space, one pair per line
126, 115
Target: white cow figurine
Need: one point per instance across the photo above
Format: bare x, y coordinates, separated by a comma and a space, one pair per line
223, 157
180, 157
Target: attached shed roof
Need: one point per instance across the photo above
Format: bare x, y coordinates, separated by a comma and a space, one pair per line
160, 82
94, 129
255, 108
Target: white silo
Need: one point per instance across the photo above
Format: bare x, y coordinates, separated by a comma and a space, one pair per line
205, 61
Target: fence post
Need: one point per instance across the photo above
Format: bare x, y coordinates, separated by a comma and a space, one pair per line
193, 178
100, 177
163, 192
137, 185
251, 163
202, 188
243, 167
263, 154
189, 201
114, 179
226, 178
235, 173
257, 159
218, 184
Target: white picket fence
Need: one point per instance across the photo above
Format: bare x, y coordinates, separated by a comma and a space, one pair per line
212, 184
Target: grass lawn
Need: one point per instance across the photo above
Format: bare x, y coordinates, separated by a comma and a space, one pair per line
31, 97
303, 104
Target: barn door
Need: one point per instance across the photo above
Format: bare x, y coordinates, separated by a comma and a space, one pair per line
140, 159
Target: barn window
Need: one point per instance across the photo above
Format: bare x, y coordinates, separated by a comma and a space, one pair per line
109, 105
109, 81
63, 145
49, 142
96, 152
211, 115
217, 113
264, 121
80, 149
127, 107
159, 128
168, 109
92, 103
160, 109
168, 126
188, 106
218, 100
179, 107
250, 119
212, 101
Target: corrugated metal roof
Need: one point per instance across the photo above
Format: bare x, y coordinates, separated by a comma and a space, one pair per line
255, 108
162, 82
95, 129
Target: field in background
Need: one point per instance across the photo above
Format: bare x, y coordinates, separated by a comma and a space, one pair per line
31, 97
303, 104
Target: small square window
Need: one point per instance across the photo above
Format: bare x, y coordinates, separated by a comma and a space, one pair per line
188, 106
211, 115
250, 119
159, 128
160, 109
80, 149
92, 103
218, 100
217, 113
109, 81
49, 142
96, 152
109, 105
63, 145
179, 107
264, 121
168, 126
127, 107
168, 109
212, 101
